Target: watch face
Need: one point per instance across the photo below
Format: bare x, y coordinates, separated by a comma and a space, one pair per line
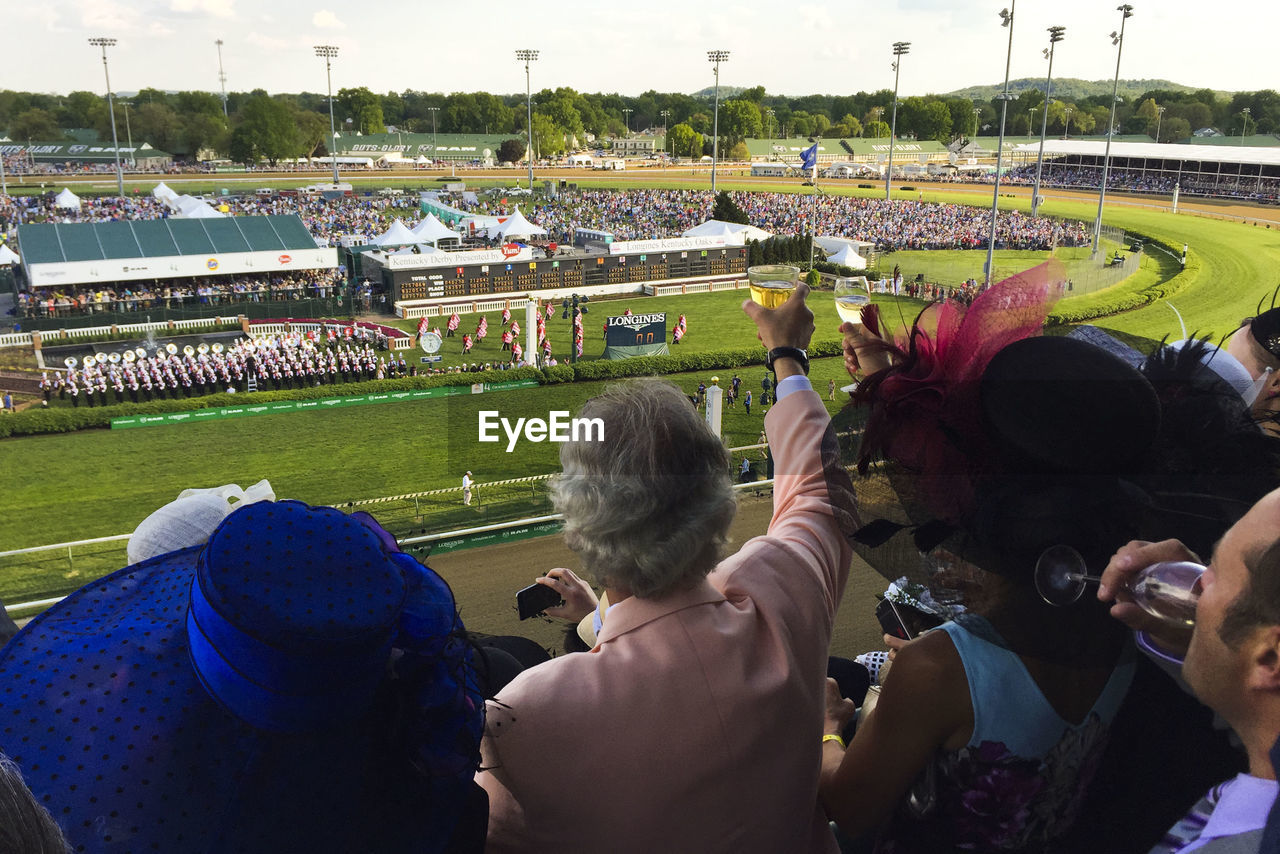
430, 342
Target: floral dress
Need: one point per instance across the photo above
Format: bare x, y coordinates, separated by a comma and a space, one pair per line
1020, 781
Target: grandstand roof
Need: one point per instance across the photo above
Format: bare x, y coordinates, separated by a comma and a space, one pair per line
48, 243
91, 252
63, 150
450, 146
1253, 156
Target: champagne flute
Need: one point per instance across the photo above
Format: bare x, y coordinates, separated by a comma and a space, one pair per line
772, 284
1167, 590
853, 294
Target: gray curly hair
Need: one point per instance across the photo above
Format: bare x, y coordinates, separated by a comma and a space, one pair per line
648, 508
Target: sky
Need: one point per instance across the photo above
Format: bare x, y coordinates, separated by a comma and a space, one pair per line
808, 48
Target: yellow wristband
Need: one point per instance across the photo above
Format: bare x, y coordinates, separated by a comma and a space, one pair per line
835, 738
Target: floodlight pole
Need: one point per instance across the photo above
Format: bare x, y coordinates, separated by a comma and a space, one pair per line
1244, 127
1055, 36
105, 43
715, 57
1126, 12
1159, 120
1004, 98
528, 56
329, 52
222, 79
899, 50
434, 143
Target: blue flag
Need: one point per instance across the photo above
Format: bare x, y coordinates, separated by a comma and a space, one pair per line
809, 157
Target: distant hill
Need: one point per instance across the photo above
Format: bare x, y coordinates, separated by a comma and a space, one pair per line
725, 92
1071, 89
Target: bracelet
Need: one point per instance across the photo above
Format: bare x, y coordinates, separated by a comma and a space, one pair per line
835, 738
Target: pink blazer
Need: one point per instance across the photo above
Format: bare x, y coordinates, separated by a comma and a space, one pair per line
695, 724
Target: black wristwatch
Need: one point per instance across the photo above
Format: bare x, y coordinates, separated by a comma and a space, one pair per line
787, 353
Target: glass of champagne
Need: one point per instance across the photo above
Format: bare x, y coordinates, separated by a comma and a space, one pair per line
1167, 590
772, 284
853, 294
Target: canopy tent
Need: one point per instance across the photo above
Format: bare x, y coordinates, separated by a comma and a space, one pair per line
580, 160
162, 191
431, 230
67, 201
397, 235
8, 256
736, 231
415, 249
516, 226
846, 257
202, 210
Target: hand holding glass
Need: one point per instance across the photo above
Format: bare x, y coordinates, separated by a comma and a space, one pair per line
1167, 590
772, 284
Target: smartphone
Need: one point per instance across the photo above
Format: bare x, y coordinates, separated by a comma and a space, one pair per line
535, 599
903, 621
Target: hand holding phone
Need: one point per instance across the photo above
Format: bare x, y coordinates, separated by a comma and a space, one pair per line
535, 599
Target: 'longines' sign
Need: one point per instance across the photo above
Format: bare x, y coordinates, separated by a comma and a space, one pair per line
631, 330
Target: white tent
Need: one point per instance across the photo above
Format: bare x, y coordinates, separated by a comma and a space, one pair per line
67, 201
416, 249
431, 230
846, 257
516, 226
163, 191
8, 256
711, 228
397, 235
580, 160
201, 210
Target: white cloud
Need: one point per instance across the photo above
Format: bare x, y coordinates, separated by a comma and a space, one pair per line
326, 20
212, 8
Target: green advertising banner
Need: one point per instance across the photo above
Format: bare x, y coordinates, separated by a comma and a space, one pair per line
493, 538
251, 409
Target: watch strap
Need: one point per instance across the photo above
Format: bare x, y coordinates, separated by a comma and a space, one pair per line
788, 353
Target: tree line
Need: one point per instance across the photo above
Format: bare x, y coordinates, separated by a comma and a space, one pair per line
260, 125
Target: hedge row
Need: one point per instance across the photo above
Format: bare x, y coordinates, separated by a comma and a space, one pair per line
1121, 299
66, 420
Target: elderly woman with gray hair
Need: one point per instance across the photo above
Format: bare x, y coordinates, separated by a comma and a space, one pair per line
696, 721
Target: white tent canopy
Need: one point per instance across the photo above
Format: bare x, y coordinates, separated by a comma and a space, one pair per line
432, 229
416, 249
516, 226
397, 235
67, 200
846, 257
163, 191
737, 232
203, 210
8, 256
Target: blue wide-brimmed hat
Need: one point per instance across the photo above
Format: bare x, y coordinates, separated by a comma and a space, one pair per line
296, 684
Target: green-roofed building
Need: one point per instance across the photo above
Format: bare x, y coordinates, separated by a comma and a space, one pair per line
1256, 140
71, 254
66, 151
392, 148
854, 150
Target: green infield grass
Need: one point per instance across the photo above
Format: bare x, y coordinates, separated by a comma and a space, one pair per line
101, 483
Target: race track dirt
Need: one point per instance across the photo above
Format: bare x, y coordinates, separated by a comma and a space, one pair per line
485, 582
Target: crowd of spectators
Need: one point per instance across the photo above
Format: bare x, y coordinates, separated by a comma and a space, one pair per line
181, 293
1083, 177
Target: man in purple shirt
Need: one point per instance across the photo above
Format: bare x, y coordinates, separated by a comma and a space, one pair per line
1231, 662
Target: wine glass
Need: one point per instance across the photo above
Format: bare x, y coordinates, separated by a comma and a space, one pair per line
1167, 590
853, 294
772, 284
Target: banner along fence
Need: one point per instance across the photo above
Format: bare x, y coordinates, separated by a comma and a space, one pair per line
197, 416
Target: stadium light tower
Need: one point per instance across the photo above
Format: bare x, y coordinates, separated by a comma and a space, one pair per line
626, 118
528, 56
900, 49
222, 78
666, 129
1066, 122
1006, 20
1117, 39
1055, 36
105, 43
1159, 120
1244, 127
715, 57
330, 52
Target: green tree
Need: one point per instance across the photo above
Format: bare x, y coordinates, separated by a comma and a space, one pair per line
267, 130
876, 130
739, 152
155, 123
511, 150
1174, 129
81, 110
1148, 109
684, 141
313, 133
364, 107
935, 122
35, 124
202, 132
726, 209
548, 138
740, 120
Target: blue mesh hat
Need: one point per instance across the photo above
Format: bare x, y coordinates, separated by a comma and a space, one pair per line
296, 684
